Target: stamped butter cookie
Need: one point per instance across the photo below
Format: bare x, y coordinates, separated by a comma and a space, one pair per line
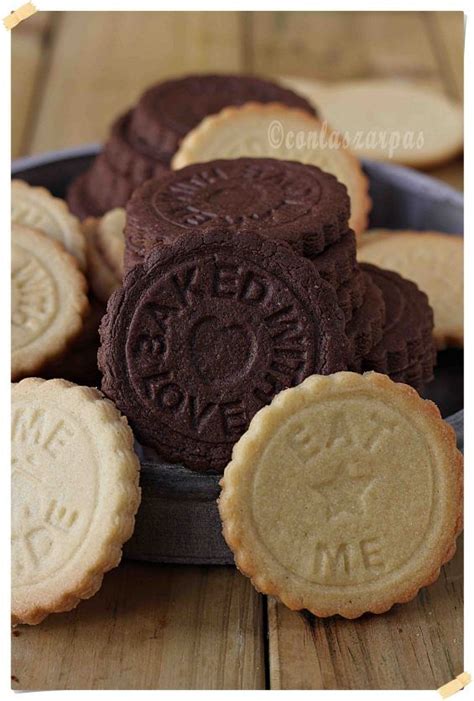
435, 262
36, 208
48, 298
105, 251
74, 494
276, 131
344, 495
207, 331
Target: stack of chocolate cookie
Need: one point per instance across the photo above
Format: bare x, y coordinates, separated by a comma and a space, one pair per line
142, 141
283, 200
406, 350
388, 320
242, 280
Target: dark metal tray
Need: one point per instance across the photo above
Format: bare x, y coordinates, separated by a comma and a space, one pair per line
178, 519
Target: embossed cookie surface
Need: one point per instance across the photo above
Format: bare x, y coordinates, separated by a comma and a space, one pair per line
206, 332
435, 262
276, 131
74, 494
344, 495
35, 207
48, 297
280, 200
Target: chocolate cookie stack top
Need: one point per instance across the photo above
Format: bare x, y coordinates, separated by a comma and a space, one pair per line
142, 141
289, 201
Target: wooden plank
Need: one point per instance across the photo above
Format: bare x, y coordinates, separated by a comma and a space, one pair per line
447, 35
414, 646
102, 61
149, 627
343, 45
28, 56
407, 647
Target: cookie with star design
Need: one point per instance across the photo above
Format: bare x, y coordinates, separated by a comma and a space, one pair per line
321, 507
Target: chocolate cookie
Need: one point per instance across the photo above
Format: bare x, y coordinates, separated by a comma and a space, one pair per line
365, 329
420, 373
99, 190
136, 164
80, 201
285, 200
350, 294
408, 331
167, 111
337, 262
206, 332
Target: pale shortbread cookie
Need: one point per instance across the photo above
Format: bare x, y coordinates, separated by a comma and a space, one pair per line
433, 260
48, 297
366, 110
276, 131
74, 494
344, 495
37, 208
105, 249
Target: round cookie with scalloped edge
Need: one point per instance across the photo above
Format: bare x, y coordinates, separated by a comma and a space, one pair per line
435, 262
278, 199
74, 494
36, 208
48, 298
206, 331
321, 506
277, 131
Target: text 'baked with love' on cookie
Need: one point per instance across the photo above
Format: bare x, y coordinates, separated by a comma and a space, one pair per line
206, 332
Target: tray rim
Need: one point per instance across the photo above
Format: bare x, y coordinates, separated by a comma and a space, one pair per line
384, 169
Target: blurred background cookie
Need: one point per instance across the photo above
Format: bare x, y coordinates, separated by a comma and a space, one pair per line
396, 120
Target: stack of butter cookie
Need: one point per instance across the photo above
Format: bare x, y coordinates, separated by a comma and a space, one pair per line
142, 141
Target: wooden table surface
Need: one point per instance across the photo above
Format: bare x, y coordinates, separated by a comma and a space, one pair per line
181, 627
